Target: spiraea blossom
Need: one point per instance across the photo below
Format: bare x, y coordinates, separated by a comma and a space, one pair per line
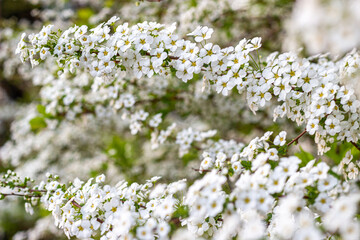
293, 193
306, 90
133, 94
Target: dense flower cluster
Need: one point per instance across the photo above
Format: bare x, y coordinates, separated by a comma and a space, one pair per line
174, 88
83, 208
259, 195
308, 90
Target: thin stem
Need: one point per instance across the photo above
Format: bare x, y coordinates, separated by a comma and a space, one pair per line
18, 195
30, 190
202, 170
297, 138
256, 65
73, 202
257, 51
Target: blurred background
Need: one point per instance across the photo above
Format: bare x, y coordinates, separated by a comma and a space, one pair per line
308, 27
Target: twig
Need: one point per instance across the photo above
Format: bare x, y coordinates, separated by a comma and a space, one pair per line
202, 170
18, 194
297, 138
355, 145
73, 202
23, 187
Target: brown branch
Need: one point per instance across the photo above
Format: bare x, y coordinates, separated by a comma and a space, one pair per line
23, 187
73, 202
355, 145
18, 195
196, 147
198, 170
297, 138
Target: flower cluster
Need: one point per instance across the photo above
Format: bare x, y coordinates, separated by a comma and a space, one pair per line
81, 209
172, 88
278, 198
349, 167
308, 91
205, 200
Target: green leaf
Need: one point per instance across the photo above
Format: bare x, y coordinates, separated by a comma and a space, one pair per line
304, 156
312, 194
37, 123
41, 109
181, 211
283, 150
122, 151
273, 164
190, 156
268, 217
338, 151
246, 165
231, 172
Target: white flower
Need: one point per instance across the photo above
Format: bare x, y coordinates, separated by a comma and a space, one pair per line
143, 42
327, 183
101, 178
81, 31
44, 52
332, 125
144, 233
155, 120
163, 229
81, 229
323, 202
236, 166
206, 164
273, 154
320, 171
246, 200
215, 205
312, 126
224, 85
280, 139
201, 33
275, 183
353, 171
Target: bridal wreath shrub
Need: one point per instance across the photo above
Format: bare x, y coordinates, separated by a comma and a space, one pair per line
144, 131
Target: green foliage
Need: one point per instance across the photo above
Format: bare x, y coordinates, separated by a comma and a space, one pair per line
283, 150
182, 211
339, 149
312, 194
304, 156
122, 151
273, 164
83, 15
42, 110
37, 123
192, 3
246, 165
190, 156
269, 217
